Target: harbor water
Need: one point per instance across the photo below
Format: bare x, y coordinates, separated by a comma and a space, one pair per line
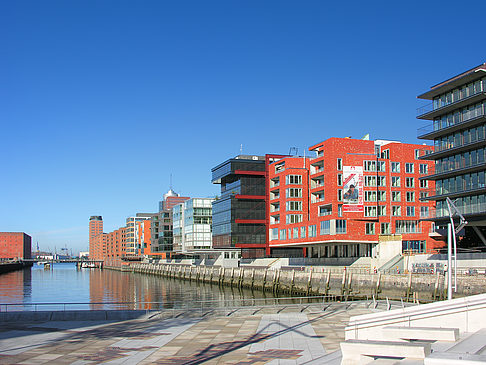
65, 287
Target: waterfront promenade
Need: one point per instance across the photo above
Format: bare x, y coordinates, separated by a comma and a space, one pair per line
309, 335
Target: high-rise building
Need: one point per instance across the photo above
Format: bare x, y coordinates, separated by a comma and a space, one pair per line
95, 228
457, 115
15, 245
192, 225
171, 199
347, 198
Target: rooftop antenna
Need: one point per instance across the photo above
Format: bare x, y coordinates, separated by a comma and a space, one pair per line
170, 182
241, 149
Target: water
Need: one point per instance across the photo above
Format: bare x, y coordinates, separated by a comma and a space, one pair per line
39, 289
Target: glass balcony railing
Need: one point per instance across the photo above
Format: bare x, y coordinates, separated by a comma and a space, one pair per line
448, 166
477, 208
458, 118
443, 103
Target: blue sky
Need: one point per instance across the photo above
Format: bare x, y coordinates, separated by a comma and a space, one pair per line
100, 101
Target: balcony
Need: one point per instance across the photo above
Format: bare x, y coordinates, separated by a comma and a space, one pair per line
461, 120
442, 193
428, 111
447, 168
465, 210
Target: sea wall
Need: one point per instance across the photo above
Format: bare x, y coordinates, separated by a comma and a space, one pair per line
13, 266
422, 287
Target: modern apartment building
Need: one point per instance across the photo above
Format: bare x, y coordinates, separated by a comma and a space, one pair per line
192, 222
15, 245
239, 214
457, 125
133, 245
349, 197
171, 199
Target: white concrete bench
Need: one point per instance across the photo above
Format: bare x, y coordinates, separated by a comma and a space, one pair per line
421, 333
447, 358
355, 351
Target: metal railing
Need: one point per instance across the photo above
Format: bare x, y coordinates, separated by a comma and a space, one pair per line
224, 304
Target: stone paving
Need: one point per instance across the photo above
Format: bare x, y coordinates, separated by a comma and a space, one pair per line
283, 336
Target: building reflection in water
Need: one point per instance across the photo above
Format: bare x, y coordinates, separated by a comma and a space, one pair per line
156, 292
16, 287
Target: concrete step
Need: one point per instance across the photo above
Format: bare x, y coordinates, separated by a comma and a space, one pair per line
421, 333
473, 344
357, 351
447, 358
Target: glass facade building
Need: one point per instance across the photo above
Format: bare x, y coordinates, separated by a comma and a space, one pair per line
239, 214
457, 115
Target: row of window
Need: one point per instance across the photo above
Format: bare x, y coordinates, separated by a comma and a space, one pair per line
459, 93
466, 205
460, 183
338, 226
458, 139
370, 166
461, 160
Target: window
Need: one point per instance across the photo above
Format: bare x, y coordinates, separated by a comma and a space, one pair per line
370, 211
340, 195
423, 195
371, 180
424, 184
370, 228
424, 212
406, 227
293, 179
409, 168
396, 211
371, 165
410, 211
385, 154
417, 154
396, 196
325, 227
340, 210
283, 234
293, 218
296, 232
382, 210
325, 210
303, 232
423, 169
339, 164
340, 226
395, 167
409, 182
414, 246
274, 234
410, 196
312, 231
294, 205
293, 192
396, 181
385, 228
340, 179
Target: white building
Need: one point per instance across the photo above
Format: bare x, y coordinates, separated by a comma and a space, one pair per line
192, 222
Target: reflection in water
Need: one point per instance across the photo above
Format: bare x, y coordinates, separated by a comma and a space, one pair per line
16, 286
64, 283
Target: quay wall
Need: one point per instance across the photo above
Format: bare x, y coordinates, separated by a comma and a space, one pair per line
6, 267
345, 284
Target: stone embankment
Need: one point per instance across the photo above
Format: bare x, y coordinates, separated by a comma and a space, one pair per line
13, 266
346, 284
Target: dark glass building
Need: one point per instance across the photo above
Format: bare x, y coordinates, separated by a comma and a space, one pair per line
457, 115
239, 215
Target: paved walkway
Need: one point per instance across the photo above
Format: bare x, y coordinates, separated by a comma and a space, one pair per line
278, 337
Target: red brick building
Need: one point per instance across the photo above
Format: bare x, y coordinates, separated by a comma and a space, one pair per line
348, 198
95, 229
15, 245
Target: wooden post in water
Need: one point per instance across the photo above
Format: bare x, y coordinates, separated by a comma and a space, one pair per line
309, 282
